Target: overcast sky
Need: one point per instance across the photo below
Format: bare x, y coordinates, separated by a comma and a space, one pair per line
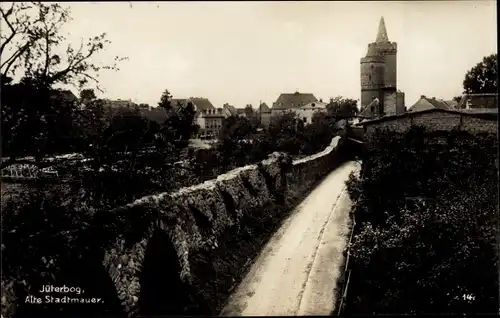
244, 52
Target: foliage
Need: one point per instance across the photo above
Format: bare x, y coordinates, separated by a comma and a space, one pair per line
35, 46
429, 237
87, 95
235, 141
64, 227
340, 107
252, 115
483, 77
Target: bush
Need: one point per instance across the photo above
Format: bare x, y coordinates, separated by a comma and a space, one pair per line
428, 237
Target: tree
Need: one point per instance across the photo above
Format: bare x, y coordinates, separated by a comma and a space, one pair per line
320, 130
341, 107
233, 146
284, 133
482, 78
252, 115
179, 125
87, 95
34, 46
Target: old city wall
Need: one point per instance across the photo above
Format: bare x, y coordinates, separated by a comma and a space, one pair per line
434, 121
183, 252
214, 229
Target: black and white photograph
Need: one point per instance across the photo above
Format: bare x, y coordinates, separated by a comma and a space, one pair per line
249, 158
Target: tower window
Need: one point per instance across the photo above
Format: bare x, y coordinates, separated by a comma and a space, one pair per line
369, 77
372, 66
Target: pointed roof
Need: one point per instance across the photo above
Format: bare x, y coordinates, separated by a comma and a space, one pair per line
263, 108
382, 32
293, 100
426, 103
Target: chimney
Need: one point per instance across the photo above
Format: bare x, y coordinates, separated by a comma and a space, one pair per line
422, 96
321, 100
331, 100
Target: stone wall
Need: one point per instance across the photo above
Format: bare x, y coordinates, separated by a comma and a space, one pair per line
202, 220
182, 253
435, 120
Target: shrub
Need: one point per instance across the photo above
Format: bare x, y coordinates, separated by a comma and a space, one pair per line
428, 237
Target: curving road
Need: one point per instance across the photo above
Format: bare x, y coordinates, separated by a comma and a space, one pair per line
297, 270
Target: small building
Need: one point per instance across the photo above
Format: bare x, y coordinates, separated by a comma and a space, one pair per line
478, 101
307, 111
119, 103
228, 110
207, 117
210, 123
426, 103
264, 114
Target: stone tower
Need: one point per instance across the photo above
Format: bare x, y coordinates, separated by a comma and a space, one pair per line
379, 75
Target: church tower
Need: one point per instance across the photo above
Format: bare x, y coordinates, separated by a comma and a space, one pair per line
379, 75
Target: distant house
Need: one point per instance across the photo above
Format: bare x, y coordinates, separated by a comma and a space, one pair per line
64, 95
119, 103
264, 114
240, 112
207, 117
228, 110
307, 111
175, 102
478, 101
210, 122
156, 114
291, 102
426, 103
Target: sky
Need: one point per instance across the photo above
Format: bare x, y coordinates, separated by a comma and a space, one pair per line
246, 52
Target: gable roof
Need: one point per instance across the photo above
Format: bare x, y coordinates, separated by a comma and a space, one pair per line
263, 108
295, 100
451, 103
478, 101
426, 103
118, 103
230, 108
492, 115
178, 101
156, 114
201, 103
64, 94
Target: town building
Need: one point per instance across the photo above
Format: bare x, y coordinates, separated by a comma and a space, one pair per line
228, 110
478, 101
119, 103
207, 117
425, 103
379, 93
264, 114
287, 102
210, 122
307, 111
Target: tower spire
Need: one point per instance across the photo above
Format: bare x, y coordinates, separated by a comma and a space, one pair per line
382, 32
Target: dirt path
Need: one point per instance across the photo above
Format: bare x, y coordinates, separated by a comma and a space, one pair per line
297, 271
